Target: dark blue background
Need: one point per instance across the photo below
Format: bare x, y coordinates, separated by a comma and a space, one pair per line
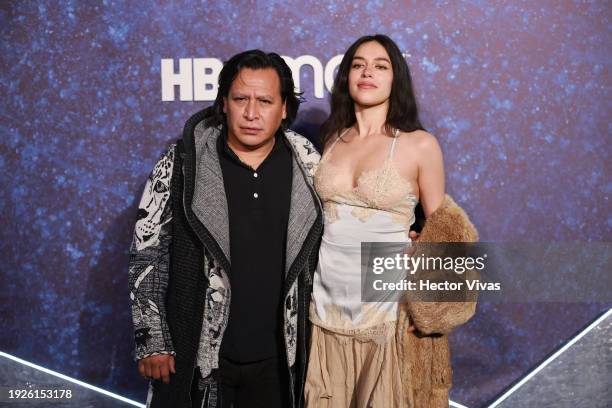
517, 94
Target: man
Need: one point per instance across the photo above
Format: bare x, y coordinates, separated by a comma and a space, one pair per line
224, 249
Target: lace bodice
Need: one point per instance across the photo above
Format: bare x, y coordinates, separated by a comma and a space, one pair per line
379, 208
382, 188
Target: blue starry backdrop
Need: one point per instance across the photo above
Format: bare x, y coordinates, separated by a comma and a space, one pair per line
516, 92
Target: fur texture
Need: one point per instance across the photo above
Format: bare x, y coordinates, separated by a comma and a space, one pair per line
424, 354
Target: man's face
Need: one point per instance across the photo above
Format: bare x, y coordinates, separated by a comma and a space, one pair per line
254, 108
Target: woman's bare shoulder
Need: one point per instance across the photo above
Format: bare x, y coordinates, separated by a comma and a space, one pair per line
419, 141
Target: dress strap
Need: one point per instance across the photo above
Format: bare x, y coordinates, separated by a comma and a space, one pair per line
336, 140
395, 137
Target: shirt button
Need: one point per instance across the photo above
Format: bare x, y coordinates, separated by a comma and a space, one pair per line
255, 175
255, 195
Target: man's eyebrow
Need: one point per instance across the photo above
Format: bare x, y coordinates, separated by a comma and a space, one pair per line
246, 94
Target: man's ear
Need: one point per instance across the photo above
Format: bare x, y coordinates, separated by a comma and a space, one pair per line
285, 110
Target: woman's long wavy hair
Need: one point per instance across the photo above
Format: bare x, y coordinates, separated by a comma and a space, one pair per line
403, 112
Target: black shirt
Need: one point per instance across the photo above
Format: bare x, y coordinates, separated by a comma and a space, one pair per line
258, 204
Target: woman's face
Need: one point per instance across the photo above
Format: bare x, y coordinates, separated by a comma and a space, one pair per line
371, 75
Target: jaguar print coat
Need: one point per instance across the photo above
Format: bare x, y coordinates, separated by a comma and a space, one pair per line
149, 266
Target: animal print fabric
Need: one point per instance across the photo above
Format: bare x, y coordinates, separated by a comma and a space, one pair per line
149, 262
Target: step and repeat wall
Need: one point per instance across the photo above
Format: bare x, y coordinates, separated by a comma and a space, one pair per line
517, 93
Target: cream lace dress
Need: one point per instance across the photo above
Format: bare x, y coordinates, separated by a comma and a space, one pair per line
353, 357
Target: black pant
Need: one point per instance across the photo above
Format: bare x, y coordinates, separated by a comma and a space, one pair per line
244, 385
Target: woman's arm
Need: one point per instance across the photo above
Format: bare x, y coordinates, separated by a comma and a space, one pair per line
445, 222
430, 173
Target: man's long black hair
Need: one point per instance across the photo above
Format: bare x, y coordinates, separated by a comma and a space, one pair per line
254, 59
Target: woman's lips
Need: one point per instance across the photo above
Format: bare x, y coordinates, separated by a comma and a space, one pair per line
366, 85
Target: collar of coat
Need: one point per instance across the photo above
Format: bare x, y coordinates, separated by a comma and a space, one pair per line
207, 198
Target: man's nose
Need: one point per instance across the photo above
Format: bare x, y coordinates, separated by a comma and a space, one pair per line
250, 110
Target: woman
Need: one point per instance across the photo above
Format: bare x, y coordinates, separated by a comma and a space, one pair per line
378, 163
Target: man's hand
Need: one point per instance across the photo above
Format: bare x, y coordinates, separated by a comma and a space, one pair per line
157, 367
413, 237
411, 326
411, 249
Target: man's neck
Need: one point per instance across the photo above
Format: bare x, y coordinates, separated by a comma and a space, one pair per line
252, 156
